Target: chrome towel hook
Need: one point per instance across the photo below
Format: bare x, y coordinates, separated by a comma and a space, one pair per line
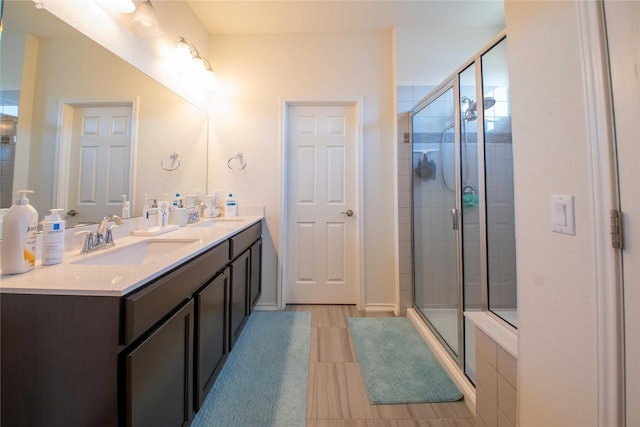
174, 159
241, 162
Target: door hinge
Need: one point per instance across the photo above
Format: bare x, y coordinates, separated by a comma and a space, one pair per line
617, 229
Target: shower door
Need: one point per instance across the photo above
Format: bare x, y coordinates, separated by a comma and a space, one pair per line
436, 241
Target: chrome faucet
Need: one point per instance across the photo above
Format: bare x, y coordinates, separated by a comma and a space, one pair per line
103, 241
194, 216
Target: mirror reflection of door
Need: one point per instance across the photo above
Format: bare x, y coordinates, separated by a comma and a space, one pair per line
100, 159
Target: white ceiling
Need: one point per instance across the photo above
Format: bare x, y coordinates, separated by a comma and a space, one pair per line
308, 16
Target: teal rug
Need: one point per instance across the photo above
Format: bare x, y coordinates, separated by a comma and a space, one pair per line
396, 363
264, 381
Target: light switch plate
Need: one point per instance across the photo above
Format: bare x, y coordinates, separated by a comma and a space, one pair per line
563, 218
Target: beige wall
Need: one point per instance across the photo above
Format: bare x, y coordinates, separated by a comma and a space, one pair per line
255, 73
557, 383
428, 55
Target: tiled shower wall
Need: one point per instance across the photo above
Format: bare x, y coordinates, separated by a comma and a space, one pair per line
408, 96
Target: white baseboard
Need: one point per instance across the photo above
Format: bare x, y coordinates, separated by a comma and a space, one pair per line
380, 307
445, 360
266, 307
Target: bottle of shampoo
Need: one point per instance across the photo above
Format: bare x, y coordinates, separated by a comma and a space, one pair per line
230, 206
20, 227
53, 238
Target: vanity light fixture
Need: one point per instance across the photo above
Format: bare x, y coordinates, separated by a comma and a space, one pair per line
187, 54
145, 22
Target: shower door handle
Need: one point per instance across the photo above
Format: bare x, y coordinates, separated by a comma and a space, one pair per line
454, 218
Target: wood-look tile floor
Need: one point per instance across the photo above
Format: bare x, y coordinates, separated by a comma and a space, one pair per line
336, 394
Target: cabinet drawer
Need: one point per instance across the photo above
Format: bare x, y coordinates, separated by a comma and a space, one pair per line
243, 240
147, 306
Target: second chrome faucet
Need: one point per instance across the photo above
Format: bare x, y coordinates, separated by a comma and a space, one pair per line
100, 240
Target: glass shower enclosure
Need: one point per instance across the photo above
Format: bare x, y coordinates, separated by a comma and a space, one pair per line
462, 192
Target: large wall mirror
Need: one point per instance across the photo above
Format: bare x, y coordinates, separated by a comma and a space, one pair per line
87, 126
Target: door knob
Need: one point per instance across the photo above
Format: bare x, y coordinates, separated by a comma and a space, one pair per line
348, 213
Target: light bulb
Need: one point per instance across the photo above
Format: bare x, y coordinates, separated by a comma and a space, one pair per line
209, 81
183, 52
145, 21
198, 65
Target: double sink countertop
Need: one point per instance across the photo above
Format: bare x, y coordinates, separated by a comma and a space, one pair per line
121, 269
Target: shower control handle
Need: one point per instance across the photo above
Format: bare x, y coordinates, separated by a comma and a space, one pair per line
348, 213
454, 218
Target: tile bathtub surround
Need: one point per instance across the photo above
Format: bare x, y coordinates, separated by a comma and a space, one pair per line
496, 383
336, 394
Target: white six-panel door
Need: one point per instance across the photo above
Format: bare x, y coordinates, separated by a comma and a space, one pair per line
321, 203
100, 161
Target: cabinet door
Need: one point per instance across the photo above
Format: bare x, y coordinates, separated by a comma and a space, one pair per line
240, 274
256, 274
211, 330
159, 374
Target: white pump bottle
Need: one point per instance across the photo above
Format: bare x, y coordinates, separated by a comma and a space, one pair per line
20, 227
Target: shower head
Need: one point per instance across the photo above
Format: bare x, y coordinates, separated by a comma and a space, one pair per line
470, 114
488, 103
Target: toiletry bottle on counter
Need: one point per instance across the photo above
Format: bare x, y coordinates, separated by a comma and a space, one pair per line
145, 213
126, 209
53, 238
230, 206
163, 213
20, 226
2, 213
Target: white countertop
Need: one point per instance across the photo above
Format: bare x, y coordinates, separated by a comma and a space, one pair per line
70, 278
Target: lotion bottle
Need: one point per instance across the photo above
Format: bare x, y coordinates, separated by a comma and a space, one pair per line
20, 227
53, 238
230, 206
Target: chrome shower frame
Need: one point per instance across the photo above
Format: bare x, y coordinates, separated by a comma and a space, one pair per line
453, 82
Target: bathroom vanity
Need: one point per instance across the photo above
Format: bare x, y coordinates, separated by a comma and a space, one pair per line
128, 345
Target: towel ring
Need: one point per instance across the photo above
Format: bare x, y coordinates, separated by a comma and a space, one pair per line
174, 158
242, 163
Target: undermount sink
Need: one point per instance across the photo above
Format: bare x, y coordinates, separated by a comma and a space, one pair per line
136, 253
212, 222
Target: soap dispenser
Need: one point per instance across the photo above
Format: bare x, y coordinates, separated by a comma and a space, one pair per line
20, 227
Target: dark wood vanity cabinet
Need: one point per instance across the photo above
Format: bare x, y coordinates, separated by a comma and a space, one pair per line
240, 274
159, 374
211, 330
255, 282
148, 358
242, 271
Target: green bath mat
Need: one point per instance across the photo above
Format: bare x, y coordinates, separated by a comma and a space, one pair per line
396, 363
264, 382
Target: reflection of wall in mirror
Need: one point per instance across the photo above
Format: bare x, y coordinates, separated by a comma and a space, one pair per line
77, 69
